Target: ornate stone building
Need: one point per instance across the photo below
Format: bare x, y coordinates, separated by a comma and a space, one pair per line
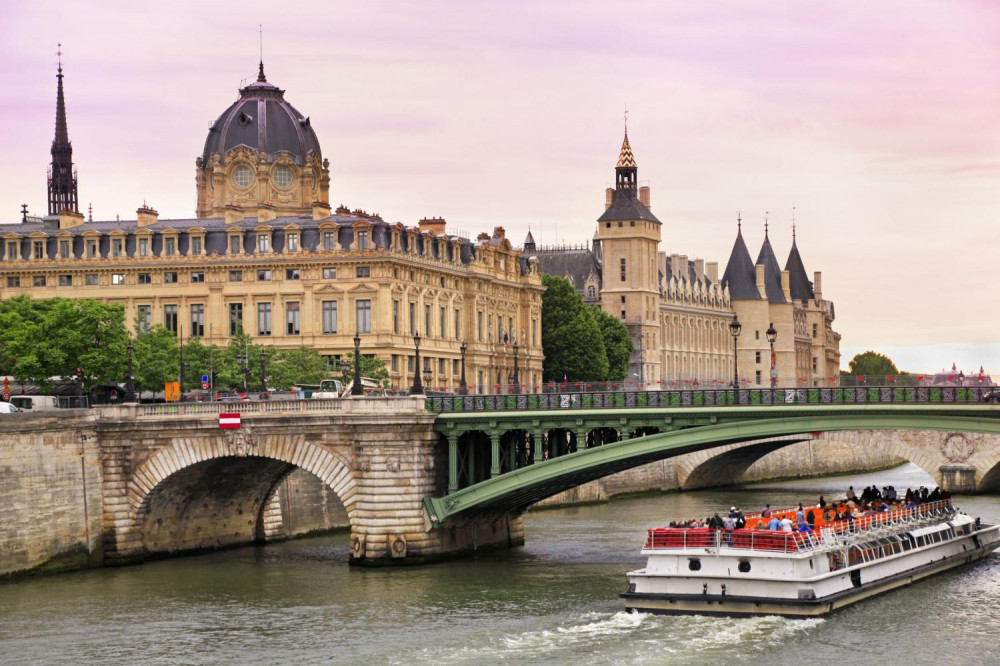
678, 312
266, 254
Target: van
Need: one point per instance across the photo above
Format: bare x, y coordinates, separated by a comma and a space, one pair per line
35, 403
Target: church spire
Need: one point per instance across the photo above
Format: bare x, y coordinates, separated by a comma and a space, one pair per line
626, 170
62, 176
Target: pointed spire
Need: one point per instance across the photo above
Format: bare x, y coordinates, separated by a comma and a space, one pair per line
62, 133
62, 177
260, 35
772, 272
740, 278
626, 159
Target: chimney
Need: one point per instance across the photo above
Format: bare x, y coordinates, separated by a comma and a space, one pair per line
682, 267
69, 219
434, 225
609, 196
699, 268
644, 195
266, 212
146, 216
818, 285
320, 210
712, 269
785, 288
233, 213
674, 263
761, 286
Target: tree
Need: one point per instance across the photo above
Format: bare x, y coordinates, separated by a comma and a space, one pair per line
617, 344
155, 359
873, 364
372, 367
289, 367
574, 347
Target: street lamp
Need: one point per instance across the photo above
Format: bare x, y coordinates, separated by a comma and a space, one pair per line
772, 335
734, 330
418, 387
428, 375
263, 374
517, 375
356, 388
462, 386
131, 376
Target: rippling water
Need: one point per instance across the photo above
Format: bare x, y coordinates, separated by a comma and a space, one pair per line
552, 602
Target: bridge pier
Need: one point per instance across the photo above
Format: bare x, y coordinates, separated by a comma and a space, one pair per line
958, 478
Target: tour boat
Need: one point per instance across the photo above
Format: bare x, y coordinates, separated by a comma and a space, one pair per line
753, 571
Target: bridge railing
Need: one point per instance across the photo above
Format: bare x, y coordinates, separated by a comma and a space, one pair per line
255, 407
714, 398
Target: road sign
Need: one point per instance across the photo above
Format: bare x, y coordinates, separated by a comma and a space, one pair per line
204, 379
204, 386
230, 420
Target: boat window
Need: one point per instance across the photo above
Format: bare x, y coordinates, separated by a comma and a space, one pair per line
694, 565
744, 566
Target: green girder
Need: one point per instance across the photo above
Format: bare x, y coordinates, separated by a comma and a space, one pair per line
688, 430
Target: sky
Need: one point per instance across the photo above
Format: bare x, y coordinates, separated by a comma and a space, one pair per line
875, 122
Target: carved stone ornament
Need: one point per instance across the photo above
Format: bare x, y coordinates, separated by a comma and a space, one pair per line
242, 154
957, 447
241, 442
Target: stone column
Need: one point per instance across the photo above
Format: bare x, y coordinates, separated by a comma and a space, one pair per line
538, 446
495, 449
581, 439
452, 463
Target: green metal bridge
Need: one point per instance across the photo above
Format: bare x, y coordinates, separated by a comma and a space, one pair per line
508, 452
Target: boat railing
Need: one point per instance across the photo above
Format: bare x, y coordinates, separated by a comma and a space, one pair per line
830, 536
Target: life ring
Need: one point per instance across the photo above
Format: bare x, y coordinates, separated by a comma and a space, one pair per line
357, 547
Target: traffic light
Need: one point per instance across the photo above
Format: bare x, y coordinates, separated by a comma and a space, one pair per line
79, 374
215, 377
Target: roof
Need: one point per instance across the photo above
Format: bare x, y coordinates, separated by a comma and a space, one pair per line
262, 120
740, 275
626, 206
574, 265
798, 280
626, 159
772, 273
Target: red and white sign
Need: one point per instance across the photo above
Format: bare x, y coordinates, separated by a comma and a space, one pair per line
229, 420
204, 386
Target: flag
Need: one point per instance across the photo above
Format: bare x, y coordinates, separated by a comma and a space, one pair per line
506, 338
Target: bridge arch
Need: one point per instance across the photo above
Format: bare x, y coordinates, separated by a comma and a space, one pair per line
209, 492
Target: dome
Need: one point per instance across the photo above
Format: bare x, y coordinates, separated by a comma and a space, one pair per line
262, 120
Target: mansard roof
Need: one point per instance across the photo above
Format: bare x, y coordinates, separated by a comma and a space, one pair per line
740, 275
798, 279
573, 264
625, 205
772, 272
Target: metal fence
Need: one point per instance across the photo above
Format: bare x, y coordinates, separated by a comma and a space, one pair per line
714, 398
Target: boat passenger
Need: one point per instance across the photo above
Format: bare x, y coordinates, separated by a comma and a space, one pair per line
822, 503
811, 518
786, 524
766, 513
850, 494
741, 520
774, 525
800, 516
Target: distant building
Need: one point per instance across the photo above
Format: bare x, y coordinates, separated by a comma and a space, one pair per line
678, 310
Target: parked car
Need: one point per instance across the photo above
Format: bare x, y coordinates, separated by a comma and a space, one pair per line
7, 408
992, 396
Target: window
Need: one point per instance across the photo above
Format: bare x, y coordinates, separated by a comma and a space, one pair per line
292, 318
263, 319
409, 364
427, 320
170, 318
170, 246
364, 271
263, 243
197, 276
39, 249
170, 277
815, 330
143, 247
534, 332
196, 245
90, 279
236, 276
242, 176
815, 363
38, 281
291, 274
197, 320
479, 326
623, 268
458, 323
234, 244
293, 243
441, 367
591, 292
13, 281
329, 238
11, 251
443, 323
454, 368
91, 249
364, 315
329, 316
394, 363
413, 318
756, 357
65, 280
64, 249
756, 335
362, 240
263, 276
623, 300
144, 318
117, 278
235, 318
623, 315
116, 247
757, 377
395, 316
329, 273
282, 176
145, 278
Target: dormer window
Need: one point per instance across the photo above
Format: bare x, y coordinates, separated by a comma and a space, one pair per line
362, 240
169, 246
243, 176
143, 247
329, 238
12, 251
64, 249
293, 242
263, 243
234, 244
196, 245
117, 247
91, 249
282, 176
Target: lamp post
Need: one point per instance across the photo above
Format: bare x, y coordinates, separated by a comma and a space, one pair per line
734, 330
428, 375
180, 385
772, 335
462, 386
418, 387
517, 374
356, 388
131, 376
263, 374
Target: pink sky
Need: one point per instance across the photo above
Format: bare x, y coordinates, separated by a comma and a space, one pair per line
877, 121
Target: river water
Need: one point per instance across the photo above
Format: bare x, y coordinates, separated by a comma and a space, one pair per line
552, 602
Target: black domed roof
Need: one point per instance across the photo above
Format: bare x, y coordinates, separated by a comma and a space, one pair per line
262, 120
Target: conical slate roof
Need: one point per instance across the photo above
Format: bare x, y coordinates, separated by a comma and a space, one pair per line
740, 275
798, 279
626, 159
772, 272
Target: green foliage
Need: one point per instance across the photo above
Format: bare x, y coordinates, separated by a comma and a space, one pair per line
155, 359
872, 363
290, 367
372, 367
574, 346
618, 345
